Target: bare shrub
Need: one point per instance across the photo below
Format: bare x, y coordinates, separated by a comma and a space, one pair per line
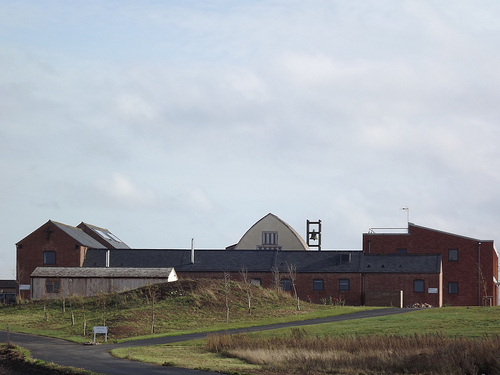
419, 354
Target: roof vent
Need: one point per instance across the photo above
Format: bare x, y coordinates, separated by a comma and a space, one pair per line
382, 266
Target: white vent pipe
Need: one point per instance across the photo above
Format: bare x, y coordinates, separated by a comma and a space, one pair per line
192, 250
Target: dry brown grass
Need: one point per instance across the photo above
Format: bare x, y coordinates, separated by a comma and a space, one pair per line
418, 354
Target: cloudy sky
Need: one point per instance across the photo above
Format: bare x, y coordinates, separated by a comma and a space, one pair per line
164, 121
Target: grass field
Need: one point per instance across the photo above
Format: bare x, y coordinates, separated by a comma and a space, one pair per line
399, 342
420, 340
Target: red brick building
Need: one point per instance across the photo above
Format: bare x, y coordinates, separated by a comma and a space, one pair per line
422, 265
58, 245
470, 266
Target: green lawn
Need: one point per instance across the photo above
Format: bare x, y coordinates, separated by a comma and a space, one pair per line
468, 322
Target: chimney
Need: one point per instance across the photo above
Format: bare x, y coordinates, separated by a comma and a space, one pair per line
192, 250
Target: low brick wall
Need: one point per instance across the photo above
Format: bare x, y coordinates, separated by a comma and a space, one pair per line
389, 298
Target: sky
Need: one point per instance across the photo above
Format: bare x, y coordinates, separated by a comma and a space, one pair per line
164, 121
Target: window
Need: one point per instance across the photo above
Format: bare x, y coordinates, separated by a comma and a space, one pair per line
418, 286
344, 285
255, 282
52, 286
49, 257
453, 255
286, 284
269, 238
318, 284
452, 287
402, 251
269, 241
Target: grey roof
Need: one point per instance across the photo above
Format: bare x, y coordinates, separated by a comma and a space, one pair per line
79, 235
401, 263
4, 284
77, 272
107, 236
265, 261
228, 260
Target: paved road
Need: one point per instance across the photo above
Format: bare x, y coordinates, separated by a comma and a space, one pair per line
97, 358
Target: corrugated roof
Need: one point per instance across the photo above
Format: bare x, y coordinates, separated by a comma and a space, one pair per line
77, 272
79, 235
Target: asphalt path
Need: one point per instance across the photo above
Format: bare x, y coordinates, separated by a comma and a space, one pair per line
98, 359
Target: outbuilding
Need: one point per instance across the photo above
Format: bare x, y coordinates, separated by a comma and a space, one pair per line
59, 282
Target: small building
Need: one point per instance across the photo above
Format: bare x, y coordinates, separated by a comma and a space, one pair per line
63, 282
58, 245
8, 291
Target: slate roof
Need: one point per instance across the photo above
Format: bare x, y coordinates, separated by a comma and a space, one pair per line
265, 261
107, 236
8, 284
401, 263
77, 272
79, 235
227, 260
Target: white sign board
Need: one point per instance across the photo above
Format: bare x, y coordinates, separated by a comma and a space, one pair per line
24, 287
433, 290
101, 329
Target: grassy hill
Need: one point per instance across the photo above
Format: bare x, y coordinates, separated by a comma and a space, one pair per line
184, 306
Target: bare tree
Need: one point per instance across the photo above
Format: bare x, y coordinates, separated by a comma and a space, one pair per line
153, 292
19, 277
227, 285
276, 278
247, 283
101, 299
292, 275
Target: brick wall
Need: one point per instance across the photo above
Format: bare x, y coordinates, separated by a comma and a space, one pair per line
382, 282
378, 282
46, 238
304, 284
474, 276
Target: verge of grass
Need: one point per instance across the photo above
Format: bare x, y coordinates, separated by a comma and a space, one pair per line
454, 322
192, 356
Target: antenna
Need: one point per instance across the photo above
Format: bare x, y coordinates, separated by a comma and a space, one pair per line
407, 209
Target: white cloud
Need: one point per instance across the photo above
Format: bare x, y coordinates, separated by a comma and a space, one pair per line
125, 193
223, 112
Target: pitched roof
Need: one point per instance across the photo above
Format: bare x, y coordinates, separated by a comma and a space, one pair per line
271, 222
265, 261
8, 284
77, 272
106, 236
410, 225
79, 235
401, 263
